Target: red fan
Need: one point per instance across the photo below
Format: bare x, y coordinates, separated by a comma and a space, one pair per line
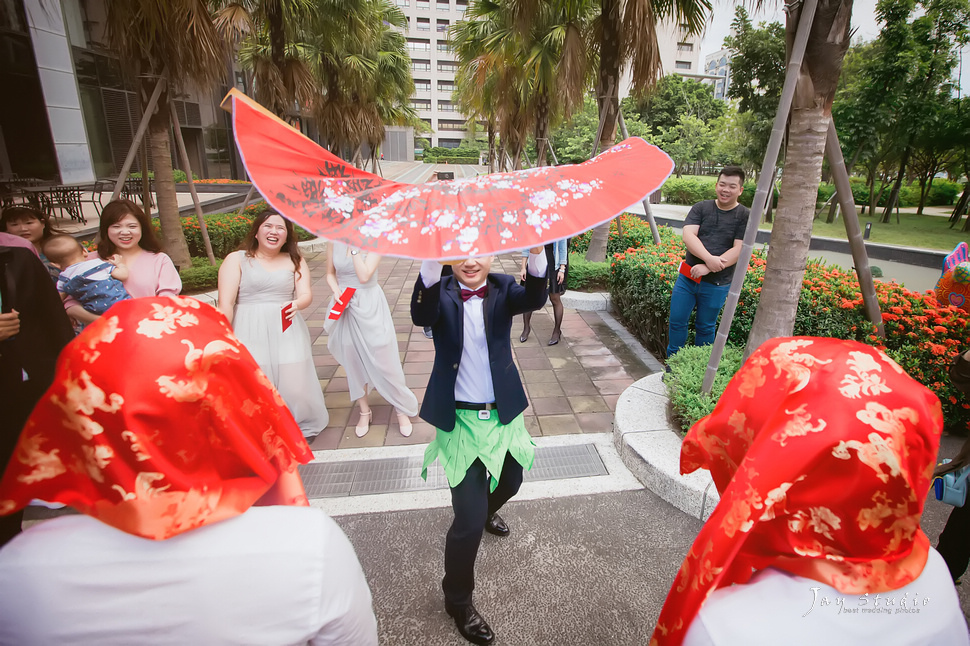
474, 216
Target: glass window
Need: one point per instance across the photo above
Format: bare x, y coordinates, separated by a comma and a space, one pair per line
682, 65
422, 85
685, 47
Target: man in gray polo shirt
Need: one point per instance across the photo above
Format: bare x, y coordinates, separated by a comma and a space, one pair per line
713, 232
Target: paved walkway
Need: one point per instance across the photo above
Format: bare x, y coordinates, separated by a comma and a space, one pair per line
572, 387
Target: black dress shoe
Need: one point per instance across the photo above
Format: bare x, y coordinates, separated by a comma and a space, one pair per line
471, 625
555, 340
428, 333
495, 525
523, 337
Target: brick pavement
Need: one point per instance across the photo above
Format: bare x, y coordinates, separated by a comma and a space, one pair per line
572, 386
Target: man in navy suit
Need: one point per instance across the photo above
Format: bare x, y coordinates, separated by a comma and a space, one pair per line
475, 401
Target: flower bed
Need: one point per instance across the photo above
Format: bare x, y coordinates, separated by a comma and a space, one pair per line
922, 335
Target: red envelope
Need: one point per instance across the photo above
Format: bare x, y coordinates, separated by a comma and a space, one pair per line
338, 308
685, 270
283, 312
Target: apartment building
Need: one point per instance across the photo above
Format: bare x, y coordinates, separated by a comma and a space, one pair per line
433, 67
680, 53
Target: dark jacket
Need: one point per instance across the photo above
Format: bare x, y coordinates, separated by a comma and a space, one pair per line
441, 308
26, 286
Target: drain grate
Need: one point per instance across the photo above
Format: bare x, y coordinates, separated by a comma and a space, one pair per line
393, 475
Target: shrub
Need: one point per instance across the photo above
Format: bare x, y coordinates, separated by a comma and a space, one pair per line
226, 230
636, 233
179, 175
587, 276
688, 190
201, 276
686, 377
825, 191
747, 195
921, 334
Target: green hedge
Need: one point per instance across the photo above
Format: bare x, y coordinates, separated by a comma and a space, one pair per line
450, 159
587, 276
921, 335
687, 376
690, 190
226, 230
201, 276
636, 233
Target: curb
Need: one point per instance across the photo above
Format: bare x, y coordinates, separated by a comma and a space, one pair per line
650, 448
587, 301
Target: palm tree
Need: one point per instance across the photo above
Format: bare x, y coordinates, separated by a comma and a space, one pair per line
628, 36
363, 73
177, 40
280, 76
808, 124
559, 43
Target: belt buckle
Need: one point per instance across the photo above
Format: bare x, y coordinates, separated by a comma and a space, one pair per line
484, 414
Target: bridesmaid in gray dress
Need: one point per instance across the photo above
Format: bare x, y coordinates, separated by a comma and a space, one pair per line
260, 286
363, 339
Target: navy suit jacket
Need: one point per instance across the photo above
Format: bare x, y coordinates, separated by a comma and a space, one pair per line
440, 307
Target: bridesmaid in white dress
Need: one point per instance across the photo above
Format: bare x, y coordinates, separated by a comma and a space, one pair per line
363, 339
264, 283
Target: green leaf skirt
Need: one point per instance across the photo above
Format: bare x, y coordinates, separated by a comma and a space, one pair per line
477, 439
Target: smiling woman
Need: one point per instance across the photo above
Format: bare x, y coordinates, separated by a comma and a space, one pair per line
262, 288
126, 230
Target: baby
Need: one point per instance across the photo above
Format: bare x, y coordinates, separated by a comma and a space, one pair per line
95, 283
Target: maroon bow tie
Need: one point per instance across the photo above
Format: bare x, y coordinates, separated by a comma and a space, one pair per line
468, 293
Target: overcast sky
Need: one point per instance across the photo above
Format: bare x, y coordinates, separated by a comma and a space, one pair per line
863, 21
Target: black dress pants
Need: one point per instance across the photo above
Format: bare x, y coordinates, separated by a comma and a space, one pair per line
473, 504
954, 543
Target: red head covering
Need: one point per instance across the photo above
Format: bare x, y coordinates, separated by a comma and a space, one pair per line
159, 421
823, 452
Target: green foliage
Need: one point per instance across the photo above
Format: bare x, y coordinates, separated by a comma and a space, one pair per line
825, 191
686, 377
201, 276
636, 233
178, 174
688, 141
688, 190
671, 99
460, 155
226, 230
921, 334
587, 276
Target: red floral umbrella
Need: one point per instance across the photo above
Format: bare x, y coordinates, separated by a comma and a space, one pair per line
474, 216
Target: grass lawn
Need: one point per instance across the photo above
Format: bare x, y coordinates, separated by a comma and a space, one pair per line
922, 231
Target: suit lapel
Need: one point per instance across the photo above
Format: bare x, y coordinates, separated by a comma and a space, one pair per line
488, 307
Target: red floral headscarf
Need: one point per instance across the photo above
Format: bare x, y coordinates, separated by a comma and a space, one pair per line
159, 421
823, 452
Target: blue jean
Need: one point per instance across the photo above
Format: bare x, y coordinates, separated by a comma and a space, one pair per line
708, 299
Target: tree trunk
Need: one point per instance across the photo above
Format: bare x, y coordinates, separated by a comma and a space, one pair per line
894, 195
173, 238
277, 43
607, 86
924, 191
961, 205
491, 147
792, 230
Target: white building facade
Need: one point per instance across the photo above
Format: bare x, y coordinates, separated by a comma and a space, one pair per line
433, 67
718, 65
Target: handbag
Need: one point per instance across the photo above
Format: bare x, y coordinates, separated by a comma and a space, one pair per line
951, 488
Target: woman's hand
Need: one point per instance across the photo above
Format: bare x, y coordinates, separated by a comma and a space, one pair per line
562, 275
337, 294
291, 310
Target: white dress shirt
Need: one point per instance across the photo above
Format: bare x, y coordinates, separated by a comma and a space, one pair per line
780, 608
271, 576
474, 381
